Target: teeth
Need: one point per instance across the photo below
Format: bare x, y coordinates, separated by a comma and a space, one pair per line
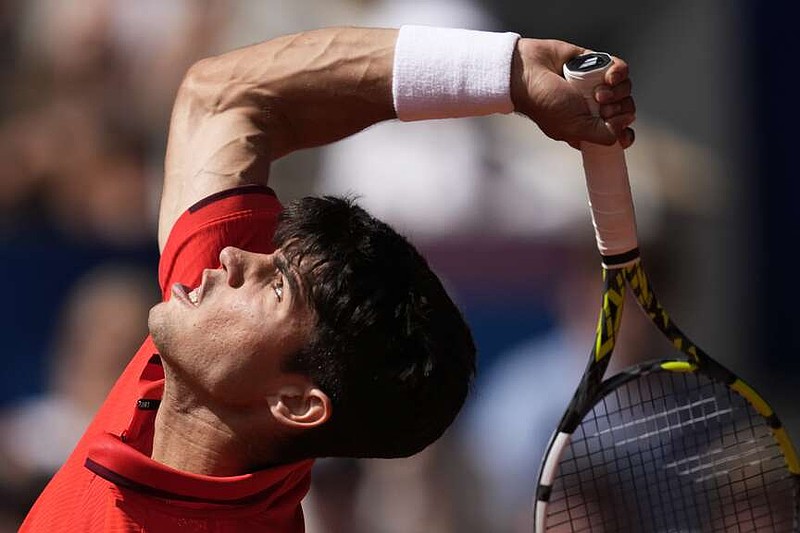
193, 297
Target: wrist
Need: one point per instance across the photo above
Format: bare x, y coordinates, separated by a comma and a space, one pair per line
526, 65
449, 73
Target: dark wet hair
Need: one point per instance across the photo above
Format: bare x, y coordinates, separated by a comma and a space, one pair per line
390, 348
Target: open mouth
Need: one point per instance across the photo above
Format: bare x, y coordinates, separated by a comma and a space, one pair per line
189, 297
193, 296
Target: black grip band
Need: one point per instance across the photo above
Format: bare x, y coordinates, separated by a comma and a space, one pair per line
620, 259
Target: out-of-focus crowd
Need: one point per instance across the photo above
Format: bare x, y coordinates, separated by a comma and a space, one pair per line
87, 88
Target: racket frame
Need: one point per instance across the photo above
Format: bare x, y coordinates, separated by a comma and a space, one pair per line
613, 218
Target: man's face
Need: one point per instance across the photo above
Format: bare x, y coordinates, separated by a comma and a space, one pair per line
229, 336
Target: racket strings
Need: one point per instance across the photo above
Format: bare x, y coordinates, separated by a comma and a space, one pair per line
672, 452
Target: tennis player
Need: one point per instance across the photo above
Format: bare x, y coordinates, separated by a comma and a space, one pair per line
310, 331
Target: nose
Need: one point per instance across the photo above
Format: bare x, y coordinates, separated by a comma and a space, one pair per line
232, 261
240, 265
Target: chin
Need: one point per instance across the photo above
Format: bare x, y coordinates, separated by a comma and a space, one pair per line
157, 324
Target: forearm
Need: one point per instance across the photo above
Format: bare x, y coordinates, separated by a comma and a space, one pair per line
310, 89
301, 90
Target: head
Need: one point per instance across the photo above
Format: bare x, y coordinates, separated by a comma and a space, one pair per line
343, 339
389, 348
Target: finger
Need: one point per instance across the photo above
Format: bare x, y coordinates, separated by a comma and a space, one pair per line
599, 132
626, 138
605, 134
617, 73
618, 123
606, 93
624, 107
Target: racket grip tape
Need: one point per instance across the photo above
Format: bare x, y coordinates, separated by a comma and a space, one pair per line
606, 172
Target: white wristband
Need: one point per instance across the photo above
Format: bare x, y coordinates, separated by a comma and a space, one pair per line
449, 73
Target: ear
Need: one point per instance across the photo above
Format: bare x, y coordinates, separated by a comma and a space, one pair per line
300, 407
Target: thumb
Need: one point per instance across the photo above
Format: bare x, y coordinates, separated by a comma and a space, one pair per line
580, 124
595, 130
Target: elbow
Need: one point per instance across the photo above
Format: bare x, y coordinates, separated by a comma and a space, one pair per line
214, 88
204, 86
216, 85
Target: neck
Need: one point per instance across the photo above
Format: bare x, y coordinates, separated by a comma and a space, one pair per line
194, 435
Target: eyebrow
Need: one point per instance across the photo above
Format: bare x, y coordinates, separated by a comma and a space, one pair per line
291, 277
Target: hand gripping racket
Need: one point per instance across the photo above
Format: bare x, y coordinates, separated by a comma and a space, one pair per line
679, 445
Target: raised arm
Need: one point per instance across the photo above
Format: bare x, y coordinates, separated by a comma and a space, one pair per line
236, 113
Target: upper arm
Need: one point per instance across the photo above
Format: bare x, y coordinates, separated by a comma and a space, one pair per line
211, 147
237, 112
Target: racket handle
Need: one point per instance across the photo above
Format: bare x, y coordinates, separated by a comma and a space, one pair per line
606, 173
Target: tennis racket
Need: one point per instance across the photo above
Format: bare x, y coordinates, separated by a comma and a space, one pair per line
678, 445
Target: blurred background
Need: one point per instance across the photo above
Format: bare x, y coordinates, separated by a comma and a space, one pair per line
499, 210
